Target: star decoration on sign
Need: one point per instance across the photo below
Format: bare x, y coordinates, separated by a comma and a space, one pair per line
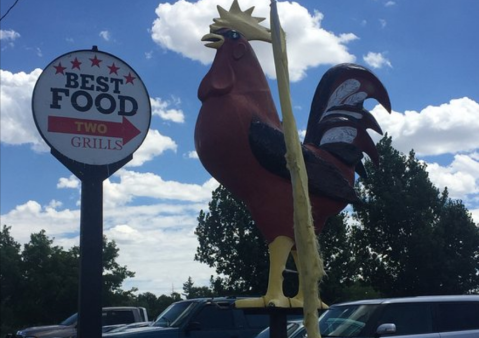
60, 69
113, 69
95, 62
76, 64
129, 78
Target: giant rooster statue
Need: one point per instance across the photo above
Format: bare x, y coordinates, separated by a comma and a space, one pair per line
239, 140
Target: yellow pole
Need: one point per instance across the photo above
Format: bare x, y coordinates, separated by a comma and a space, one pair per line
311, 266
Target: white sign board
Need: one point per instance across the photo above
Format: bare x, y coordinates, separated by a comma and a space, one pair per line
91, 107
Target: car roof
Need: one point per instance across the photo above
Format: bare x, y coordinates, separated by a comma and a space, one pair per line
210, 300
121, 307
417, 299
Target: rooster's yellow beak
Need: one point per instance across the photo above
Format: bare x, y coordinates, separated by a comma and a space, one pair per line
215, 40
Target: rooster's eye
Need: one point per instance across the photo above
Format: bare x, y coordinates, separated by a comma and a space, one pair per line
234, 35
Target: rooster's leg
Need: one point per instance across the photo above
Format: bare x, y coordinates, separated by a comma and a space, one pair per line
279, 251
297, 301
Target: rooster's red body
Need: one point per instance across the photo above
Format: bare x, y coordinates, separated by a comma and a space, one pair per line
239, 141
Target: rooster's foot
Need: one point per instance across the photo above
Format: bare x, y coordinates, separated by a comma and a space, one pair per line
296, 302
299, 302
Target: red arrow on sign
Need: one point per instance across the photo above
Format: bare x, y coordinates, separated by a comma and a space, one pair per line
67, 125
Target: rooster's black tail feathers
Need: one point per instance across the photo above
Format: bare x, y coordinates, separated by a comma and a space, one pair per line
338, 120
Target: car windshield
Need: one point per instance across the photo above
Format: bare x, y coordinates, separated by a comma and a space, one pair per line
346, 321
72, 320
175, 314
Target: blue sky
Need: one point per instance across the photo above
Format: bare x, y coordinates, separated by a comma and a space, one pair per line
425, 52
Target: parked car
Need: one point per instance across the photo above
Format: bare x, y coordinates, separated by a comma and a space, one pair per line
425, 317
126, 327
200, 318
111, 317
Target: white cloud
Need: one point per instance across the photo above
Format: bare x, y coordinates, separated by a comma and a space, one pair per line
180, 26
161, 108
302, 134
151, 249
71, 182
105, 35
8, 35
390, 3
135, 184
159, 235
150, 237
461, 177
450, 128
192, 155
31, 217
149, 55
17, 125
154, 145
376, 60
475, 215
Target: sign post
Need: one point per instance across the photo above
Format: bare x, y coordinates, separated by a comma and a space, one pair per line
94, 112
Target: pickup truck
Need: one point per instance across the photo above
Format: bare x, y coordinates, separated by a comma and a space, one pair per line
200, 318
111, 317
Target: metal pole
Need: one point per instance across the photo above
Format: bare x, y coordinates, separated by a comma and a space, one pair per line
91, 267
278, 324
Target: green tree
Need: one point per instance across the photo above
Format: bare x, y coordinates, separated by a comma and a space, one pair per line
458, 254
230, 242
113, 276
403, 235
190, 291
40, 283
155, 305
341, 282
52, 270
149, 301
10, 281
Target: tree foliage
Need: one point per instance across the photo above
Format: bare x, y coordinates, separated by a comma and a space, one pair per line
10, 279
153, 304
39, 284
412, 239
229, 242
190, 291
342, 281
51, 271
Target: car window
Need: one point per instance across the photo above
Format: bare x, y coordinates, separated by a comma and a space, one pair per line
72, 320
175, 314
413, 318
256, 320
346, 321
117, 317
458, 316
213, 317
